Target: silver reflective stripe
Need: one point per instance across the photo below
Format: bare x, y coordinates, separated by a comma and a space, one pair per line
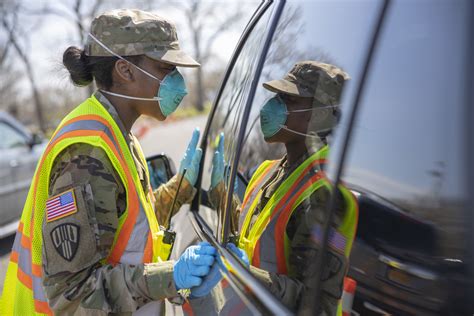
17, 242
38, 292
91, 125
24, 261
274, 166
268, 258
133, 253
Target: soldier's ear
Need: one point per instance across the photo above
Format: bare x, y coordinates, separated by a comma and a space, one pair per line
124, 70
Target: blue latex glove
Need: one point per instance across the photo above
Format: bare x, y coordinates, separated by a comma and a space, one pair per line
239, 253
191, 159
193, 265
208, 283
217, 174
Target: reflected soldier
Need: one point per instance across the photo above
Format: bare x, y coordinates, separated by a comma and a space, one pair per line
89, 241
279, 222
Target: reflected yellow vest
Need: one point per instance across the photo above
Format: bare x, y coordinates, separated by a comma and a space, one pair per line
138, 237
266, 242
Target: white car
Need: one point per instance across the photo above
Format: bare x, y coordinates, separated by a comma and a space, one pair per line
19, 153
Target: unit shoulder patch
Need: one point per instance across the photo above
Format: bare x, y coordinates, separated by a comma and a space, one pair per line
61, 205
65, 238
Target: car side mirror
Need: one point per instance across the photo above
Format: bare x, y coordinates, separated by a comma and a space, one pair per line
35, 139
161, 170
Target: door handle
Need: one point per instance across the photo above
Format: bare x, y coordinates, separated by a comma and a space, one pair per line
14, 163
411, 269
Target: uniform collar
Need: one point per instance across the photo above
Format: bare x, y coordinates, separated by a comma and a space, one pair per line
109, 107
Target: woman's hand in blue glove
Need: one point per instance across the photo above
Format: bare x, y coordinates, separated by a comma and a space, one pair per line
208, 283
193, 265
239, 253
217, 174
191, 159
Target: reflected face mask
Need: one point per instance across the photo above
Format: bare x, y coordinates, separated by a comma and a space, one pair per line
274, 114
170, 93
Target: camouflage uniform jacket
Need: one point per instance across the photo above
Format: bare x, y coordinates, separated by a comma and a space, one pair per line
84, 284
303, 250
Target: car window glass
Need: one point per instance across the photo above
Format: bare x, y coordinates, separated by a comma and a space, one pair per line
306, 32
10, 138
407, 145
228, 115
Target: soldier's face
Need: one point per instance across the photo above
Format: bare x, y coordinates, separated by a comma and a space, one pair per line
147, 87
296, 121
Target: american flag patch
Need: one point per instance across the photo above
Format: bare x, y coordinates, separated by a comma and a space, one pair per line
61, 205
337, 241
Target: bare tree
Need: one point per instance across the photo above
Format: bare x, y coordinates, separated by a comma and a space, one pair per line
9, 20
9, 90
78, 12
206, 21
283, 54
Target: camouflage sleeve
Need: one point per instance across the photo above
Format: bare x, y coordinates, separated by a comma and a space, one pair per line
165, 195
304, 251
74, 246
217, 199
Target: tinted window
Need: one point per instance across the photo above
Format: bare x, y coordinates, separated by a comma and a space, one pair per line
407, 146
307, 32
228, 115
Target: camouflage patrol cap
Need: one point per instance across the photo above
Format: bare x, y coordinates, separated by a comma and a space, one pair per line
128, 32
312, 79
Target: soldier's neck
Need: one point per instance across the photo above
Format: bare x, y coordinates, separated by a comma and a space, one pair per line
127, 113
294, 151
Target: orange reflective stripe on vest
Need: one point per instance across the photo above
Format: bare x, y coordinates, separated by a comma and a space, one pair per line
134, 243
275, 226
92, 125
265, 242
28, 273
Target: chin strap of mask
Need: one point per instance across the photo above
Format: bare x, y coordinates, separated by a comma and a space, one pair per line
323, 118
130, 97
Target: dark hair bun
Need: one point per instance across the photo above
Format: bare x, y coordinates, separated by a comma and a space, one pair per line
77, 63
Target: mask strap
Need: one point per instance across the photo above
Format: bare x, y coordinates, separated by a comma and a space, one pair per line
120, 57
130, 97
303, 134
314, 108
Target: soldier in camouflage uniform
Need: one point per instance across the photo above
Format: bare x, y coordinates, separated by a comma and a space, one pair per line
309, 84
84, 284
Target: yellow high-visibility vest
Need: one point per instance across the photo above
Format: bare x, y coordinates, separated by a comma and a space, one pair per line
137, 239
266, 242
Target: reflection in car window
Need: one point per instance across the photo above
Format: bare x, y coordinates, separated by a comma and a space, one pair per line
228, 116
312, 62
407, 158
10, 138
306, 35
408, 142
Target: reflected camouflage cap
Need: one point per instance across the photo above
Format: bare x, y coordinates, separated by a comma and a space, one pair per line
312, 79
129, 32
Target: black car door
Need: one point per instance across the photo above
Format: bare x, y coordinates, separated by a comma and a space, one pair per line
304, 32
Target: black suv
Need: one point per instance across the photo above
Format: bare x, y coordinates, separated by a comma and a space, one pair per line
403, 146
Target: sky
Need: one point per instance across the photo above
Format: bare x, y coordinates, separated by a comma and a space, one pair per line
54, 34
